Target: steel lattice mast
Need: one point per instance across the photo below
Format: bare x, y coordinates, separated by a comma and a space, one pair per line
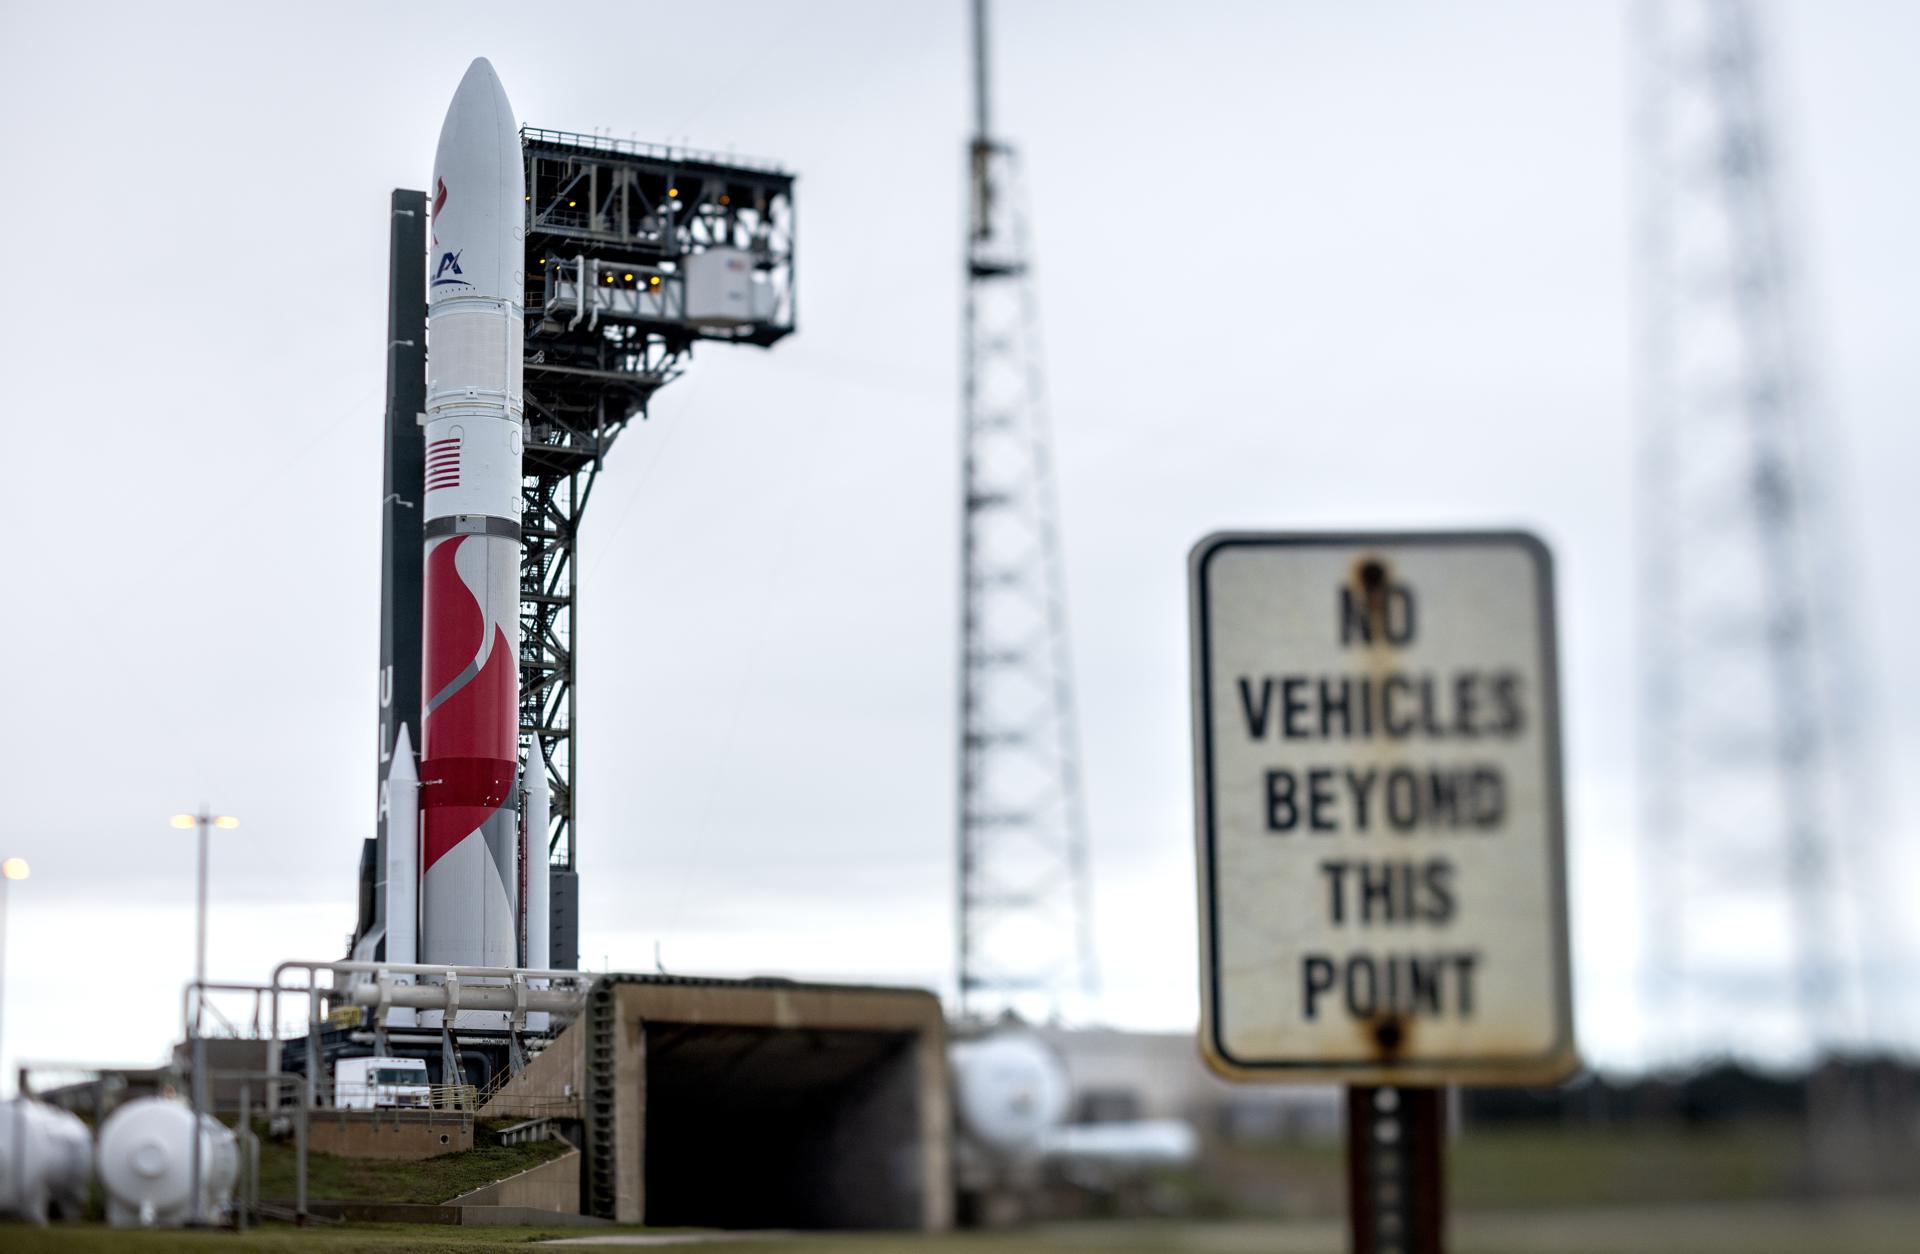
1741, 648
1024, 919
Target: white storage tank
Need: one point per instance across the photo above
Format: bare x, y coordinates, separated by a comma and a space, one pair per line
1010, 1089
46, 1158
146, 1164
720, 287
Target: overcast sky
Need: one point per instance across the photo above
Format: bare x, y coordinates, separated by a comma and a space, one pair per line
1301, 265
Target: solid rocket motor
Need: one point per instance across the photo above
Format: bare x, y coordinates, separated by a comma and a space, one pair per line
401, 799
470, 683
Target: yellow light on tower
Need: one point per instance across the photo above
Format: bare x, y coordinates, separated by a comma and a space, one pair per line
182, 820
226, 821
672, 192
14, 868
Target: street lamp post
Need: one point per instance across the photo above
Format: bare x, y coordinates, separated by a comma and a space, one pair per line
202, 820
10, 870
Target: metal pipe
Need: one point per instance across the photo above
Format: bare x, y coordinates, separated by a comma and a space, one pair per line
203, 821
300, 1176
313, 1050
199, 1117
579, 290
510, 997
246, 1140
419, 968
452, 993
980, 68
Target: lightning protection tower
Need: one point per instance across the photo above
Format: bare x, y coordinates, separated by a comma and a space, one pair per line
1024, 935
1742, 647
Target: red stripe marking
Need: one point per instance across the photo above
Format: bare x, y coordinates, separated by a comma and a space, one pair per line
454, 623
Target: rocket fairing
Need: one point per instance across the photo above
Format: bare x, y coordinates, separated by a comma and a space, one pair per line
470, 832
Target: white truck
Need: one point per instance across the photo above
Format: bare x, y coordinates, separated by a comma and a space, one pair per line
380, 1084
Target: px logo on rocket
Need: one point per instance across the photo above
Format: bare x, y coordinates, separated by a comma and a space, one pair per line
449, 265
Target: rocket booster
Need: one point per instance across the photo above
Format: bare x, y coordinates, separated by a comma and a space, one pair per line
470, 638
400, 805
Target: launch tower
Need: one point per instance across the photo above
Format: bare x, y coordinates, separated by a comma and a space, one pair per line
1024, 917
635, 253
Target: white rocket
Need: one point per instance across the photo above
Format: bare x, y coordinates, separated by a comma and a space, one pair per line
470, 638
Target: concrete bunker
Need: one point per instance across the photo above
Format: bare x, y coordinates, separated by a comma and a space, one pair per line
752, 1104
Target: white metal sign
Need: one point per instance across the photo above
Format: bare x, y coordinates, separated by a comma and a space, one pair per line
1381, 853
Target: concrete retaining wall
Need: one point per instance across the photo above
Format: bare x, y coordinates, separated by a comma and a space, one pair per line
548, 1089
388, 1134
553, 1186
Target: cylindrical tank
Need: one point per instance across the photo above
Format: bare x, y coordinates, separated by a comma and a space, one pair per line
46, 1157
146, 1164
1141, 1144
1009, 1088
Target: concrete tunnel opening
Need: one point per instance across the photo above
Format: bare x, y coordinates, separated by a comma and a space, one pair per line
759, 1103
767, 1127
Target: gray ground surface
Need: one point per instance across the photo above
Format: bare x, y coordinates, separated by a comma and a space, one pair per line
1748, 1228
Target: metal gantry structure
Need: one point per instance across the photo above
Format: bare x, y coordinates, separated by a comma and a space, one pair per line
1024, 911
1746, 852
635, 253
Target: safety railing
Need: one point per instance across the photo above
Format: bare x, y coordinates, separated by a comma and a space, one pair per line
646, 148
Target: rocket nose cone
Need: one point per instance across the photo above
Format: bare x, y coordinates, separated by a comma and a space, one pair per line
402, 769
478, 190
481, 94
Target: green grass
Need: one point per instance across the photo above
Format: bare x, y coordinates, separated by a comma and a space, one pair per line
423, 1180
1528, 1169
1721, 1229
1512, 1192
1621, 1167
276, 1239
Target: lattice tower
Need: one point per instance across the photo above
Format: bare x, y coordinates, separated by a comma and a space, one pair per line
1024, 913
1745, 731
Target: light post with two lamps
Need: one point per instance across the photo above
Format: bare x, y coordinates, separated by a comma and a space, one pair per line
202, 820
10, 870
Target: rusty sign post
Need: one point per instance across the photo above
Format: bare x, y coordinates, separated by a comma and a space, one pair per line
1396, 1185
1380, 839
